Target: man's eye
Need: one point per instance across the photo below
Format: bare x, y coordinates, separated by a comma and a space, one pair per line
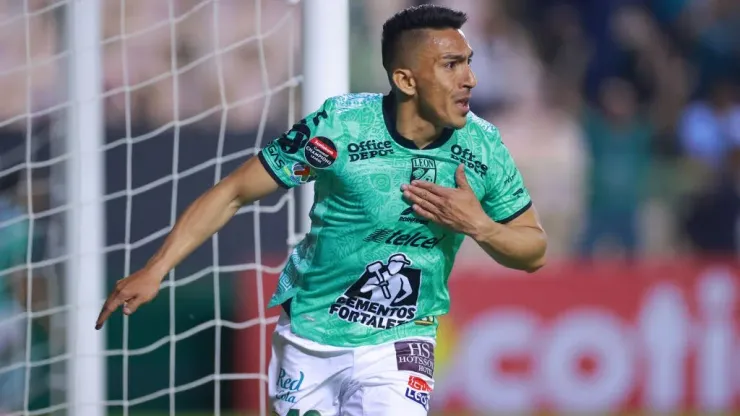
450, 65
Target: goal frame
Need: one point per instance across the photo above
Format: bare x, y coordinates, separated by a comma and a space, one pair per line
325, 69
325, 32
85, 216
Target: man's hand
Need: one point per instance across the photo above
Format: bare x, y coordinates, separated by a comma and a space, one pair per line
131, 292
456, 208
520, 244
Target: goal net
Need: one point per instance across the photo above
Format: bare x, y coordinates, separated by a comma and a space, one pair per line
116, 115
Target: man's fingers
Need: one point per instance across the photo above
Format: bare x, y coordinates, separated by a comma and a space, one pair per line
460, 178
132, 305
431, 187
108, 308
423, 196
425, 204
116, 299
424, 213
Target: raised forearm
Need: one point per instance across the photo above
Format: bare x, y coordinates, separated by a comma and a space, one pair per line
204, 217
515, 246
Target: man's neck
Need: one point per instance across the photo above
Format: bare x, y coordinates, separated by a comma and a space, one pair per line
411, 125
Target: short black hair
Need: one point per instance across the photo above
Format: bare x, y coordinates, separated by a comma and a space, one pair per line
426, 16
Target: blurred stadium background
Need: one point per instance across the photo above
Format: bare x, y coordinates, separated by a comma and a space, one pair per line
623, 115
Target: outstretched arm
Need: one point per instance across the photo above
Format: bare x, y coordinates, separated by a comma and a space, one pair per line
211, 211
519, 244
202, 219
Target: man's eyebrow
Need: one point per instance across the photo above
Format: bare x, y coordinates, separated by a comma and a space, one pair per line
457, 56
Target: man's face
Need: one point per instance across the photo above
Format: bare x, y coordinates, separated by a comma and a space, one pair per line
444, 78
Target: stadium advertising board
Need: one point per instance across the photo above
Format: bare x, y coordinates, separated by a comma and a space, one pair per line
588, 339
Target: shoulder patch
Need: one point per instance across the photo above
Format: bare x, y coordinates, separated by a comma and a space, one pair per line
320, 152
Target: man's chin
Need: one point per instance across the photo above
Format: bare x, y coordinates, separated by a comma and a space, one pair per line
459, 122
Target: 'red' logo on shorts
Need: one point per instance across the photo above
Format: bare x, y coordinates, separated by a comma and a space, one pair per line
418, 390
418, 383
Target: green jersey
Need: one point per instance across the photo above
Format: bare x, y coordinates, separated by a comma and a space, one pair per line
370, 270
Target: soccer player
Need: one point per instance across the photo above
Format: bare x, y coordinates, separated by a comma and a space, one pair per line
400, 180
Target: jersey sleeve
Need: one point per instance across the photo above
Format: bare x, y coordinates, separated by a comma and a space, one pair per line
293, 158
507, 196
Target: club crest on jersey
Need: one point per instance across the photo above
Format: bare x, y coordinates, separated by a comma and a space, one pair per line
423, 169
384, 296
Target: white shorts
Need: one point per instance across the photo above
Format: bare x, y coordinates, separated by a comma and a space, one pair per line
311, 379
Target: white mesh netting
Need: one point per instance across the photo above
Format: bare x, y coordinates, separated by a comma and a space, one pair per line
191, 89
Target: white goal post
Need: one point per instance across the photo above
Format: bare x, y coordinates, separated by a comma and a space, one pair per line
325, 69
325, 73
85, 239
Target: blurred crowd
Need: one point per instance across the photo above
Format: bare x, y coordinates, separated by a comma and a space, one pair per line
623, 115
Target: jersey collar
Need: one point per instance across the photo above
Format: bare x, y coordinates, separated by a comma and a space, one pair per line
389, 116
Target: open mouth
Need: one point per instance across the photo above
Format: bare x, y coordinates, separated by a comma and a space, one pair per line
463, 104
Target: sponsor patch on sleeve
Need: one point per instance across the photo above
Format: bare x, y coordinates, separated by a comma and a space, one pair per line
300, 173
320, 152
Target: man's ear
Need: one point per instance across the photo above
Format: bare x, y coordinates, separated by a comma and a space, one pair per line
404, 81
